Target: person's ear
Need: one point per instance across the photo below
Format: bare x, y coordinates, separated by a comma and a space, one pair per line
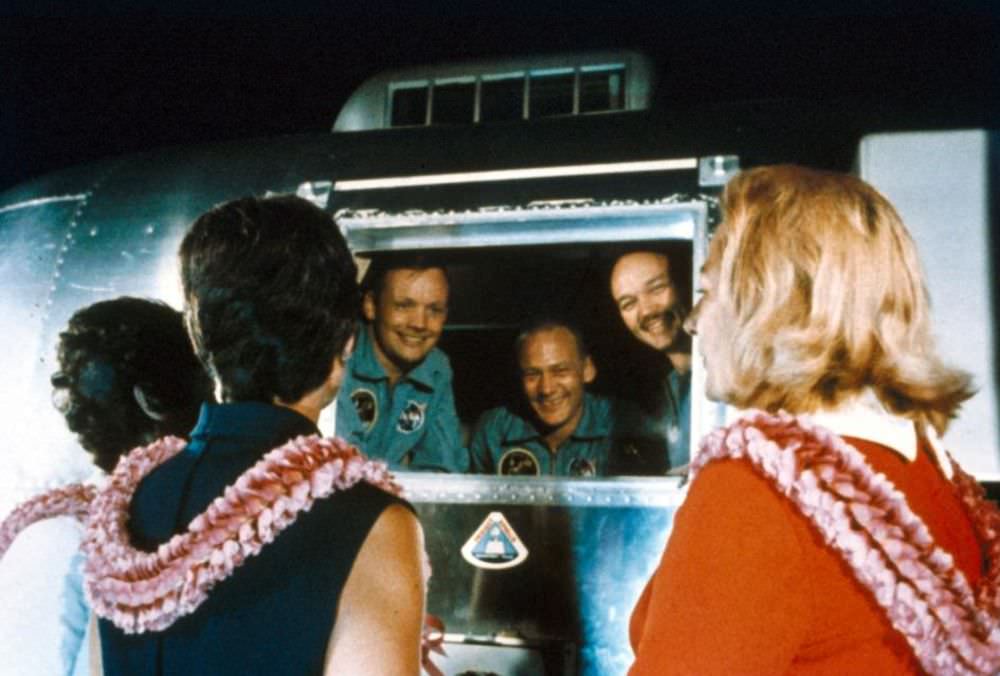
368, 306
154, 409
589, 370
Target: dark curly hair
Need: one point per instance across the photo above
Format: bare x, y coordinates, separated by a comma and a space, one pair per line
107, 351
271, 296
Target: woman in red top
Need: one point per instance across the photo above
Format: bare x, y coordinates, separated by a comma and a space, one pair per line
825, 531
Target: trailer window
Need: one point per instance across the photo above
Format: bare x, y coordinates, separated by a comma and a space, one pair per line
409, 106
501, 100
551, 95
454, 103
496, 290
602, 90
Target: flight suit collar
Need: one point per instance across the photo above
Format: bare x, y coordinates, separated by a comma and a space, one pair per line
590, 426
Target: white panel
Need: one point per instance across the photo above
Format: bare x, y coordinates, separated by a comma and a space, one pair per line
939, 182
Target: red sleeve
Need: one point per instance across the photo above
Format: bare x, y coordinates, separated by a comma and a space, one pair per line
731, 594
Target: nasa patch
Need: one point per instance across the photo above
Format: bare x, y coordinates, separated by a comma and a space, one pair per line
518, 462
366, 405
412, 417
582, 467
494, 544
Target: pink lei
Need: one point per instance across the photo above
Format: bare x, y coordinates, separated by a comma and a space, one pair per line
951, 627
148, 591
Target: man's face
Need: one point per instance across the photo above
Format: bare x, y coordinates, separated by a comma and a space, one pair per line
647, 300
99, 408
553, 375
408, 316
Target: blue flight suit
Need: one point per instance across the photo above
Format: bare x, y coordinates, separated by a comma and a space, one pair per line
413, 425
507, 443
676, 419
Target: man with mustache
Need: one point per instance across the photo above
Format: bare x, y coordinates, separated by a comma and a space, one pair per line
563, 430
654, 311
396, 402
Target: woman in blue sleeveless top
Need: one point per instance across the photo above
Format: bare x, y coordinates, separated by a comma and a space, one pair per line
271, 303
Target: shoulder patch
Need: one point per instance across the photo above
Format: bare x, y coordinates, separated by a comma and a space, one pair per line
412, 417
518, 462
582, 467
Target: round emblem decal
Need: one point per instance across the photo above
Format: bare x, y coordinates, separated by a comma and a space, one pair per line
366, 405
582, 467
412, 417
518, 462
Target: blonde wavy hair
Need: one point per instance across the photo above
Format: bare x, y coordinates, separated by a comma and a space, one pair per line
823, 287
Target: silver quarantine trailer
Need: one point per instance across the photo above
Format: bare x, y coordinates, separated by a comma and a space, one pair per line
527, 176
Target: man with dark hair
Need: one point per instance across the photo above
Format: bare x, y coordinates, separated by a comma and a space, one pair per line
271, 304
397, 401
127, 375
564, 430
654, 310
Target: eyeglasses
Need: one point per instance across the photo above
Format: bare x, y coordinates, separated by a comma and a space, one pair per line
60, 391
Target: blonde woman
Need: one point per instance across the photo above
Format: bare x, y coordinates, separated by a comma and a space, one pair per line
826, 531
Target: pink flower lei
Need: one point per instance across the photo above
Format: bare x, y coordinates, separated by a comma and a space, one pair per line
148, 591
951, 627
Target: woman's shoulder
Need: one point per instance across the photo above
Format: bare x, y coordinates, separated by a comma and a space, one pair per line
730, 499
732, 481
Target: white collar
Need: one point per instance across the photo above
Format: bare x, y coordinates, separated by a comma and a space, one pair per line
865, 417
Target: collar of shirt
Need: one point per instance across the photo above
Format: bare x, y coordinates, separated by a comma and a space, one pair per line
251, 419
592, 424
677, 380
365, 365
865, 417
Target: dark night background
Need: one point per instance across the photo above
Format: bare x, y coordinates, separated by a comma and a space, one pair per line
90, 85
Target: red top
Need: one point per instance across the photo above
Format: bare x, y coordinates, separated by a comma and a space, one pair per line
746, 585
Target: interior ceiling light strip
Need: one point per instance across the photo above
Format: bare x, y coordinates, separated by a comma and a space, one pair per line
516, 174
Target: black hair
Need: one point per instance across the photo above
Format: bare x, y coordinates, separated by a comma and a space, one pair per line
106, 351
271, 296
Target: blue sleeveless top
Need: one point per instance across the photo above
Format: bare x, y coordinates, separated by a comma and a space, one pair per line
275, 613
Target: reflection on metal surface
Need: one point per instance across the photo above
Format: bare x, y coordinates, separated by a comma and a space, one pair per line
472, 489
27, 204
516, 174
369, 231
593, 544
317, 192
715, 171
505, 656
